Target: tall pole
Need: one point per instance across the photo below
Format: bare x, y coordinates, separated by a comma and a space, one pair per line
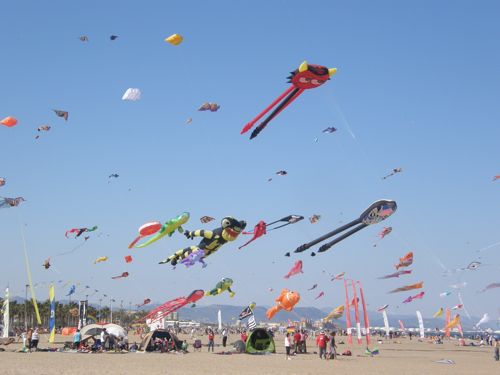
110, 310
99, 314
26, 309
121, 312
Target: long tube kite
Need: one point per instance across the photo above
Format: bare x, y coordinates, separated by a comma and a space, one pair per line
405, 261
173, 305
408, 287
377, 212
396, 274
261, 228
304, 78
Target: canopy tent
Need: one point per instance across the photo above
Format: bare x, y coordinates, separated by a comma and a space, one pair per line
91, 330
260, 341
148, 340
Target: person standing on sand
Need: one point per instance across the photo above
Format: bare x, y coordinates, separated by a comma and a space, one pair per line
287, 346
321, 343
29, 336
496, 349
211, 340
224, 337
296, 341
77, 337
34, 339
244, 336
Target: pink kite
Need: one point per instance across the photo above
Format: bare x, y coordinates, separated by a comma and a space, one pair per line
383, 233
146, 301
297, 268
172, 306
416, 296
258, 231
321, 294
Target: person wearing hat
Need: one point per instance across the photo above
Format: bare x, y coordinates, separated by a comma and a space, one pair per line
321, 341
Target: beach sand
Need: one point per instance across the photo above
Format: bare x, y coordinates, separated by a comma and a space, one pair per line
401, 357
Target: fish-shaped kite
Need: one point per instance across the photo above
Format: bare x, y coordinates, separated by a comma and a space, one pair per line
338, 276
416, 296
124, 274
313, 287
444, 294
396, 274
405, 261
457, 307
382, 308
101, 259
497, 177
490, 286
385, 231
408, 287
297, 268
321, 294
145, 302
307, 76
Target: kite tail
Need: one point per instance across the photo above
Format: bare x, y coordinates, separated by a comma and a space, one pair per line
272, 311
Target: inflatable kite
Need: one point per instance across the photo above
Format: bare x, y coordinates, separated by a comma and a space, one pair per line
339, 276
484, 319
453, 323
146, 230
2, 181
313, 287
100, 259
193, 258
171, 306
168, 229
113, 37
496, 177
457, 307
408, 287
84, 38
222, 286
329, 130
174, 39
304, 78
212, 107
132, 94
321, 294
382, 308
261, 227
212, 240
206, 219
124, 274
43, 128
490, 286
394, 171
336, 313
146, 301
286, 301
405, 261
416, 296
10, 202
396, 274
438, 313
9, 122
314, 218
378, 211
79, 231
297, 268
62, 114
46, 263
113, 175
383, 233
72, 290
444, 294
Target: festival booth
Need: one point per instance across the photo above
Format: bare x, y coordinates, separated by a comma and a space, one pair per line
147, 344
259, 342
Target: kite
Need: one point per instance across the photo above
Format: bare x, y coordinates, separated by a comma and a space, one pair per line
394, 171
128, 258
132, 94
2, 181
416, 296
460, 285
168, 229
490, 286
124, 274
438, 313
84, 38
457, 307
220, 287
62, 114
297, 268
405, 261
396, 274
189, 121
114, 175
9, 122
454, 322
46, 263
385, 231
212, 107
113, 37
313, 287
321, 294
146, 230
444, 294
261, 227
206, 219
211, 240
473, 266
100, 259
336, 313
44, 128
174, 39
484, 319
496, 177
445, 361
172, 306
79, 231
72, 290
196, 256
382, 308
285, 301
10, 202
338, 276
305, 77
375, 213
314, 218
372, 352
329, 130
146, 301
408, 287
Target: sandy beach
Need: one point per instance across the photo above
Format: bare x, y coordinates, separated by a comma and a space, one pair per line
400, 356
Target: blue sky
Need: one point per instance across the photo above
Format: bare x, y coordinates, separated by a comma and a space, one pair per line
417, 88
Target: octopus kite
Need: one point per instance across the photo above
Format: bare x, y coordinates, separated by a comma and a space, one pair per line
222, 286
212, 240
304, 78
285, 301
378, 211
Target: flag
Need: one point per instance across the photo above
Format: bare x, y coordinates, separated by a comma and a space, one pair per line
52, 319
247, 311
251, 322
5, 309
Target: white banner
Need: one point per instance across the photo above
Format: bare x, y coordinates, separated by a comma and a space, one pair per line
5, 309
386, 322
420, 325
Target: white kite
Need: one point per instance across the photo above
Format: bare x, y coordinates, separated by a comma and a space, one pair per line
132, 95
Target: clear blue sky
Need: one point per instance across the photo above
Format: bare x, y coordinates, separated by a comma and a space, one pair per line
417, 86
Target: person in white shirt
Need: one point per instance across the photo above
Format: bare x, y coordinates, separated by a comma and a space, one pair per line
287, 345
224, 337
34, 339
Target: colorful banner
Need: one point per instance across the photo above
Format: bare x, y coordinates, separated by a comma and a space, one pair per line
30, 281
402, 326
52, 319
348, 314
420, 325
356, 313
447, 331
365, 315
6, 318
